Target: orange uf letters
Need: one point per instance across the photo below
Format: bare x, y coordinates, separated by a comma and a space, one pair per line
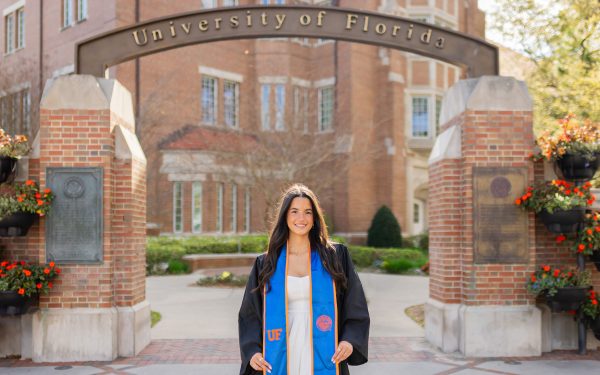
274, 334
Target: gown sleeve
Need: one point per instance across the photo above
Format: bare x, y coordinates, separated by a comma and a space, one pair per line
355, 321
250, 321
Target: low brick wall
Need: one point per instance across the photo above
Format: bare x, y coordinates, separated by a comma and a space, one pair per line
202, 261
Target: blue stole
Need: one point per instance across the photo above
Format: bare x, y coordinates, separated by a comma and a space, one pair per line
324, 317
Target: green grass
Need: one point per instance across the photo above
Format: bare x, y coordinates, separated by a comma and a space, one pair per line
155, 317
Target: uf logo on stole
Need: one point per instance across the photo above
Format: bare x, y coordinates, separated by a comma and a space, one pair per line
274, 334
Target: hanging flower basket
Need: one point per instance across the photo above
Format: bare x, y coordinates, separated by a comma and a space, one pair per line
16, 224
8, 169
563, 221
595, 326
566, 299
12, 303
576, 167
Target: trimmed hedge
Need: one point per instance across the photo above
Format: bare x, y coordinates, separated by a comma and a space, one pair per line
390, 260
385, 230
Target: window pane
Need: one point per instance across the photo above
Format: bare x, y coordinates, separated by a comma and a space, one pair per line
416, 213
325, 108
438, 111
82, 10
420, 117
230, 103
209, 3
21, 28
247, 211
234, 208
209, 102
264, 106
10, 33
177, 207
67, 13
197, 207
280, 107
230, 3
264, 2
220, 189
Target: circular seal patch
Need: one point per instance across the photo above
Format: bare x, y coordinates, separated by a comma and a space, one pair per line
324, 323
500, 187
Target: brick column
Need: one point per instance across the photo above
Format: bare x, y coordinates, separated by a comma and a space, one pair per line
479, 307
88, 122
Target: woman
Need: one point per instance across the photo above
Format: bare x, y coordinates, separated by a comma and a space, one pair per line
304, 311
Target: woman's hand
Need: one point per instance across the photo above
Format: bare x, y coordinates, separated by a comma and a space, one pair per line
343, 351
258, 363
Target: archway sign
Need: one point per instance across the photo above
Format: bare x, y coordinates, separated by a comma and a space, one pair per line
95, 55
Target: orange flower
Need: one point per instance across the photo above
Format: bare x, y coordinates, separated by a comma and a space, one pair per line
594, 302
27, 273
21, 291
533, 279
47, 191
518, 201
546, 268
29, 182
46, 271
580, 248
19, 199
40, 202
51, 264
589, 232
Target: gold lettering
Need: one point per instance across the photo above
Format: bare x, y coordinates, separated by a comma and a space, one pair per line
137, 38
410, 31
439, 43
218, 23
186, 27
320, 16
157, 35
350, 20
305, 20
234, 22
280, 18
426, 36
380, 28
248, 19
203, 25
366, 24
173, 33
263, 18
395, 30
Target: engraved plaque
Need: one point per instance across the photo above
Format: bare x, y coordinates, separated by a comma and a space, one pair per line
74, 224
500, 227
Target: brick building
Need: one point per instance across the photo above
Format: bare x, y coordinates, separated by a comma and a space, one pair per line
203, 111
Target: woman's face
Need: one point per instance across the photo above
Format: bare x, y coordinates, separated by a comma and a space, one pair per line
300, 216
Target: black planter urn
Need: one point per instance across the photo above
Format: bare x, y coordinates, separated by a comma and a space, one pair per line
8, 169
574, 167
595, 258
595, 327
16, 224
561, 221
567, 299
12, 303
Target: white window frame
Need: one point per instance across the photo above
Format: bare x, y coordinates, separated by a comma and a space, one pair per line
234, 208
9, 32
20, 30
177, 201
427, 99
219, 218
208, 4
280, 107
231, 108
82, 10
325, 127
67, 13
197, 207
230, 3
207, 111
265, 106
247, 210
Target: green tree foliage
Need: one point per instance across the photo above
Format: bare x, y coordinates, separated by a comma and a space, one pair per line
562, 38
384, 230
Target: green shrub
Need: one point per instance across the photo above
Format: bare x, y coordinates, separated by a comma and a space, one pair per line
254, 244
397, 265
384, 230
362, 256
177, 267
157, 253
391, 254
420, 241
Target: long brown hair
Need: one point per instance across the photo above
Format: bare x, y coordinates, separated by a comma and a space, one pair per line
318, 236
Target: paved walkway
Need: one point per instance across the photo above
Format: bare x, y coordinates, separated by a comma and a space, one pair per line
185, 341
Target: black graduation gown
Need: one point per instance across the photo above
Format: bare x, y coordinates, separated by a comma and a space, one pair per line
353, 314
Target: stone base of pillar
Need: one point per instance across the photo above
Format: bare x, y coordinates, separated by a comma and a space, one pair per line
441, 325
134, 329
500, 331
15, 339
484, 331
559, 332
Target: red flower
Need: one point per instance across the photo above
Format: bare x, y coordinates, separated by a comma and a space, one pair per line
546, 268
47, 191
50, 285
21, 291
580, 248
51, 264
518, 201
29, 182
57, 270
46, 271
594, 302
40, 202
533, 279
27, 273
38, 195
38, 285
556, 272
19, 199
560, 238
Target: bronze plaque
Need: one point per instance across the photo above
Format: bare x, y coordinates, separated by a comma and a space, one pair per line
500, 228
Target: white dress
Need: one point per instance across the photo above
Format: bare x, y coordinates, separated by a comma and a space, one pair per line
300, 361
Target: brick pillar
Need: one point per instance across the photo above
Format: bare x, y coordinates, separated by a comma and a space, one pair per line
478, 303
88, 122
